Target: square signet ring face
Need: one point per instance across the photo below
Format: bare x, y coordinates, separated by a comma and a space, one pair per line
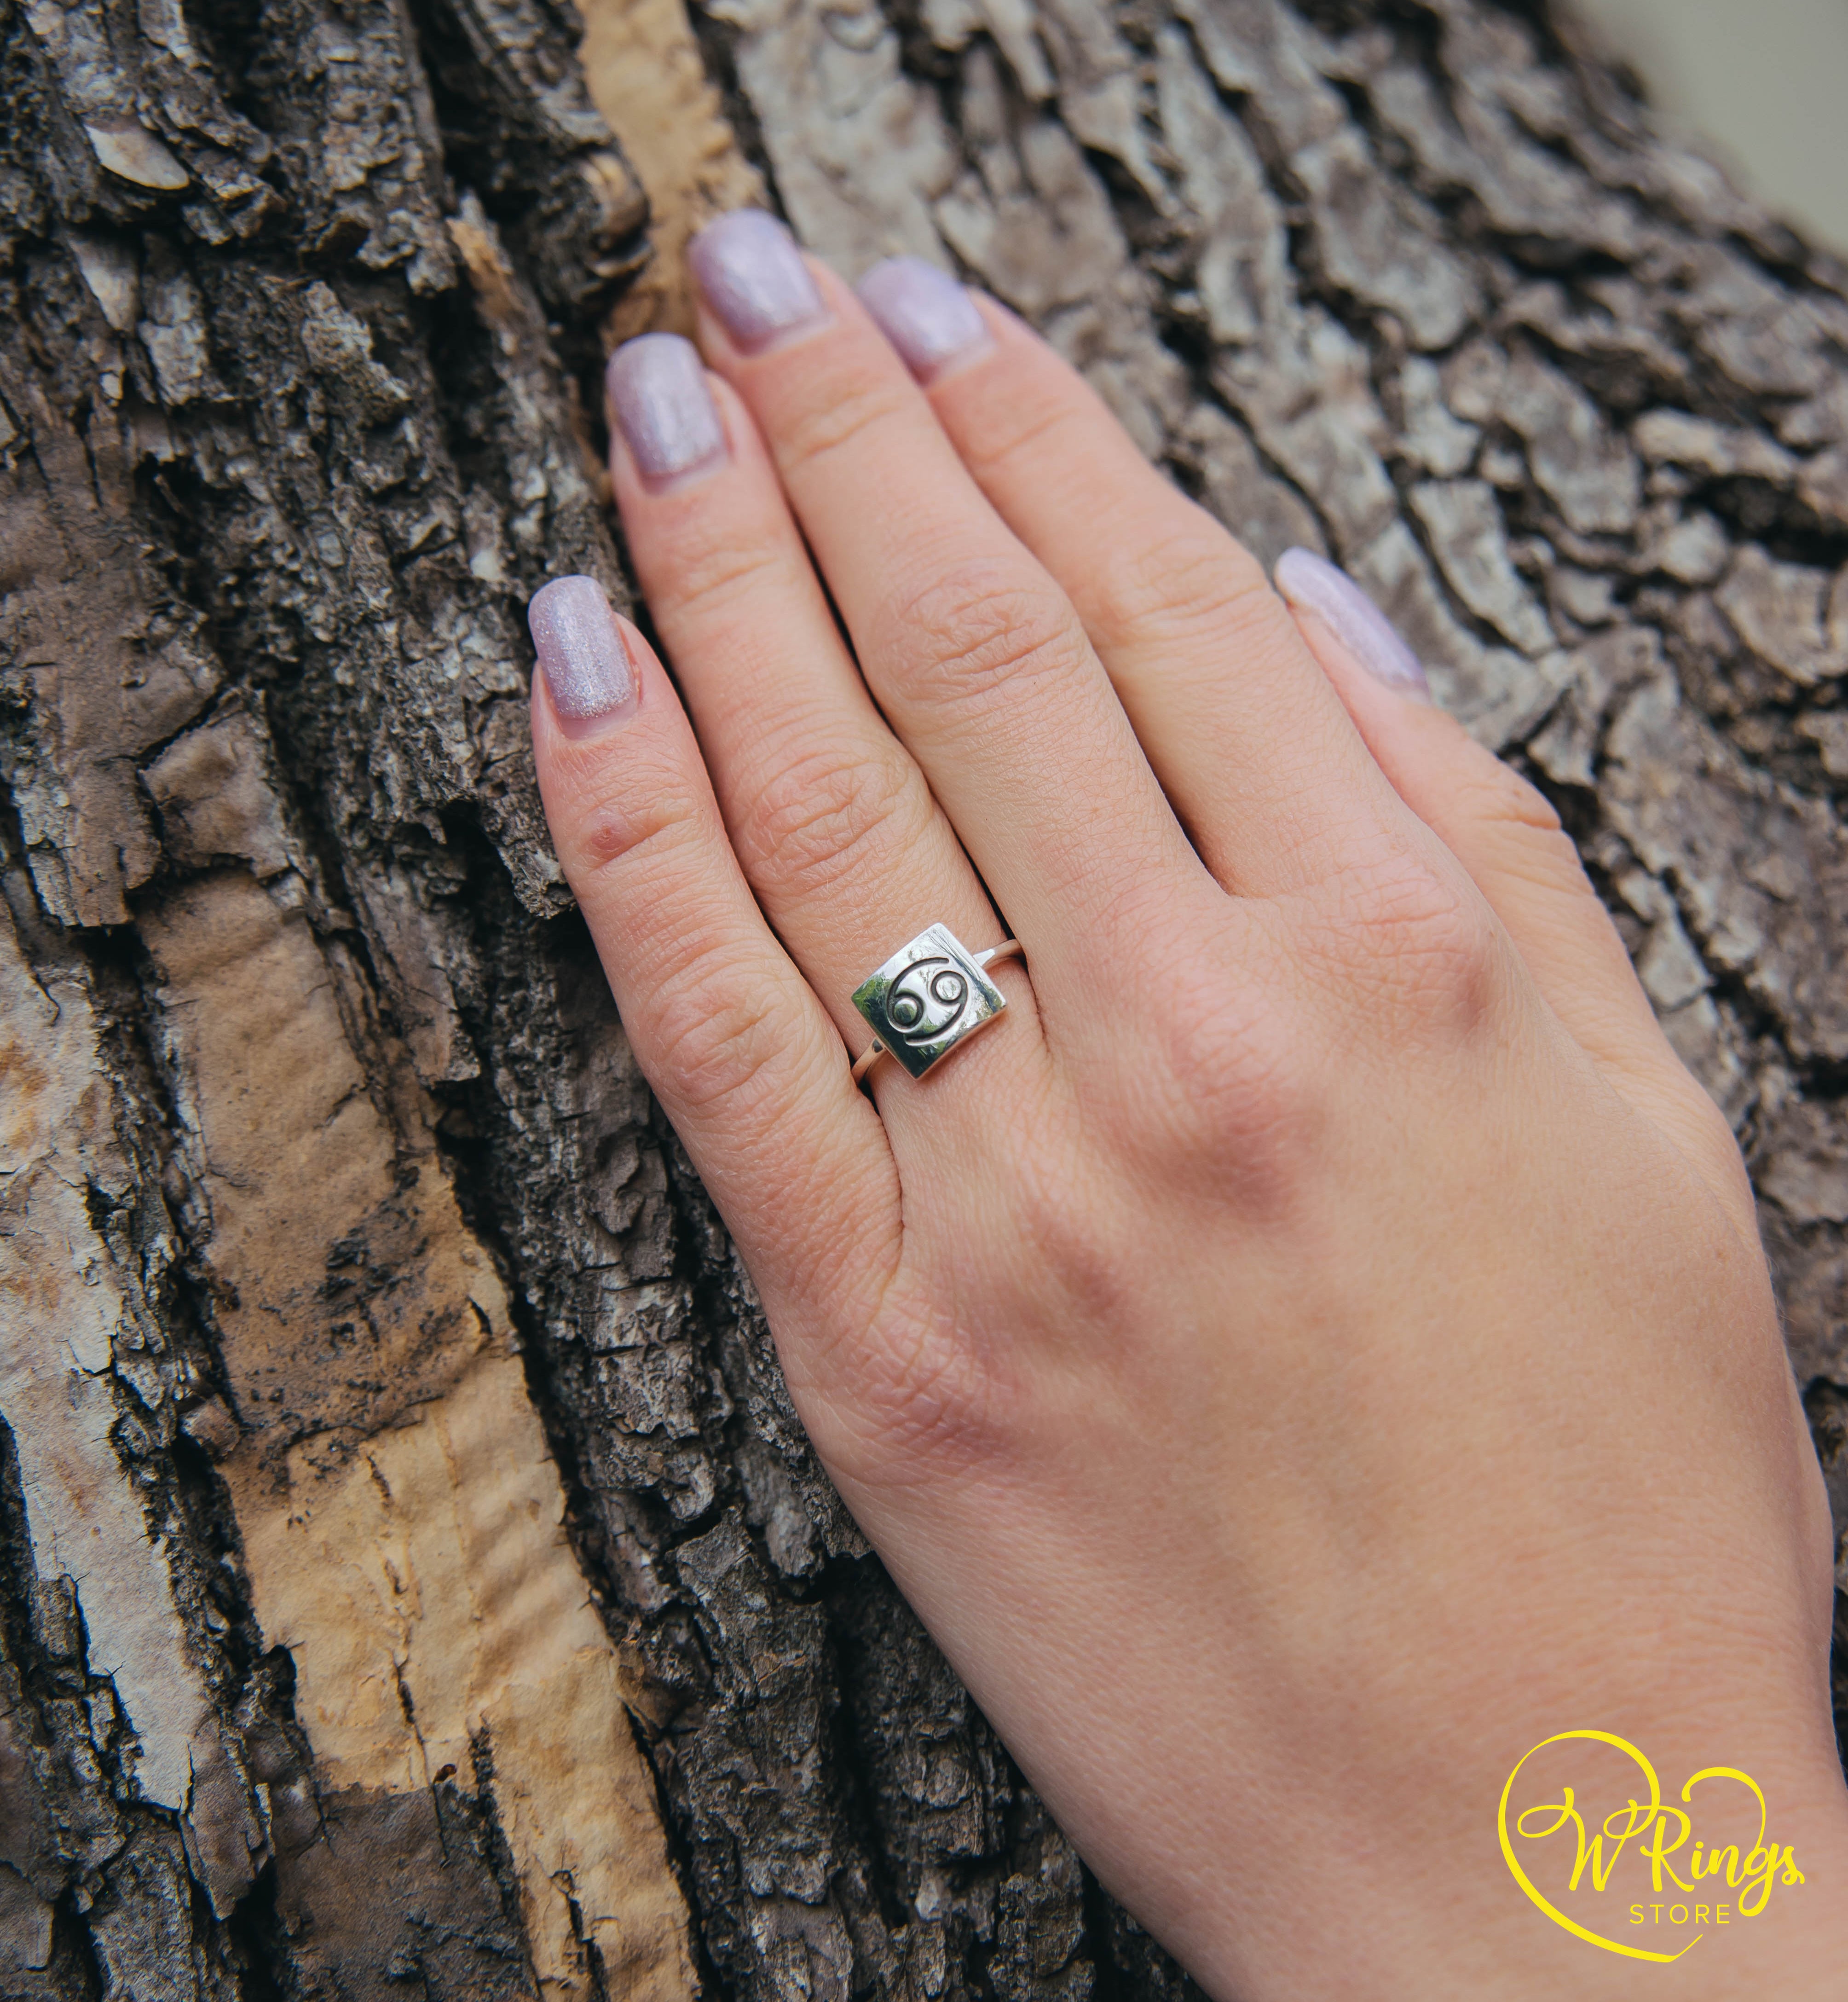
927, 998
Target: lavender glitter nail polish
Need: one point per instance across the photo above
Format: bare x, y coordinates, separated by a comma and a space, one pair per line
1311, 583
924, 313
586, 668
666, 412
753, 277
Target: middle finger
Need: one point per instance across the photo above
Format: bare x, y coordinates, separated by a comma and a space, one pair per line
976, 656
833, 824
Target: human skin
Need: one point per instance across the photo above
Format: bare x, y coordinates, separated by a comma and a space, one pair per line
1315, 1345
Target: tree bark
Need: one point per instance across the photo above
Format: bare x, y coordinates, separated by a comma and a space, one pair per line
411, 1567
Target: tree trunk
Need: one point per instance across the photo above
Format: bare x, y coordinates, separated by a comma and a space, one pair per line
411, 1567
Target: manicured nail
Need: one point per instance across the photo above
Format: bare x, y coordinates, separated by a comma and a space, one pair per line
1312, 585
924, 314
667, 415
588, 670
754, 278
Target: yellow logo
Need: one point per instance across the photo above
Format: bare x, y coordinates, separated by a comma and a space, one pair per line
1722, 1882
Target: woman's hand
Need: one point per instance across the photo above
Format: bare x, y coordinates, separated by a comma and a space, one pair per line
1315, 1344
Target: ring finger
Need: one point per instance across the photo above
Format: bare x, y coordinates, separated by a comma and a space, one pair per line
838, 833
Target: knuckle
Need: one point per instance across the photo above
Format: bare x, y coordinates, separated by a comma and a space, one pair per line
1491, 791
1070, 1237
935, 1392
1412, 944
1193, 582
1233, 1096
1548, 859
819, 819
982, 626
1523, 833
926, 1403
1039, 421
712, 565
829, 411
716, 1032
1224, 1087
656, 834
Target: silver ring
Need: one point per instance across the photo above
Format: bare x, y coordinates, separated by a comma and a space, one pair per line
928, 997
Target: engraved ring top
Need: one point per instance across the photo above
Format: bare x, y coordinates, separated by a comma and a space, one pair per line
927, 998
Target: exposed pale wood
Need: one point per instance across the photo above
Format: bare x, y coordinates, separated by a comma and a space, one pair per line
404, 1538
643, 67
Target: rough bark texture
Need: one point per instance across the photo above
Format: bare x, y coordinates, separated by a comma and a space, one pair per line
411, 1567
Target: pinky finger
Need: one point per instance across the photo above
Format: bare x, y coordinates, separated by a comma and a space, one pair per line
1508, 838
741, 1053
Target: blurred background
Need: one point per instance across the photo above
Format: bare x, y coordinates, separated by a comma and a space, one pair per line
1764, 82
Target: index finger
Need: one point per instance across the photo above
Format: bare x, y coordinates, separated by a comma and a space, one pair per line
742, 1055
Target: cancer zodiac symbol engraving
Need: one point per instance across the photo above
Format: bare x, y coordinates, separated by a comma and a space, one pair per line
923, 1004
926, 997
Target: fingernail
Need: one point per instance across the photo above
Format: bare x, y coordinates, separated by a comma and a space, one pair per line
666, 412
924, 314
588, 670
1312, 585
753, 276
